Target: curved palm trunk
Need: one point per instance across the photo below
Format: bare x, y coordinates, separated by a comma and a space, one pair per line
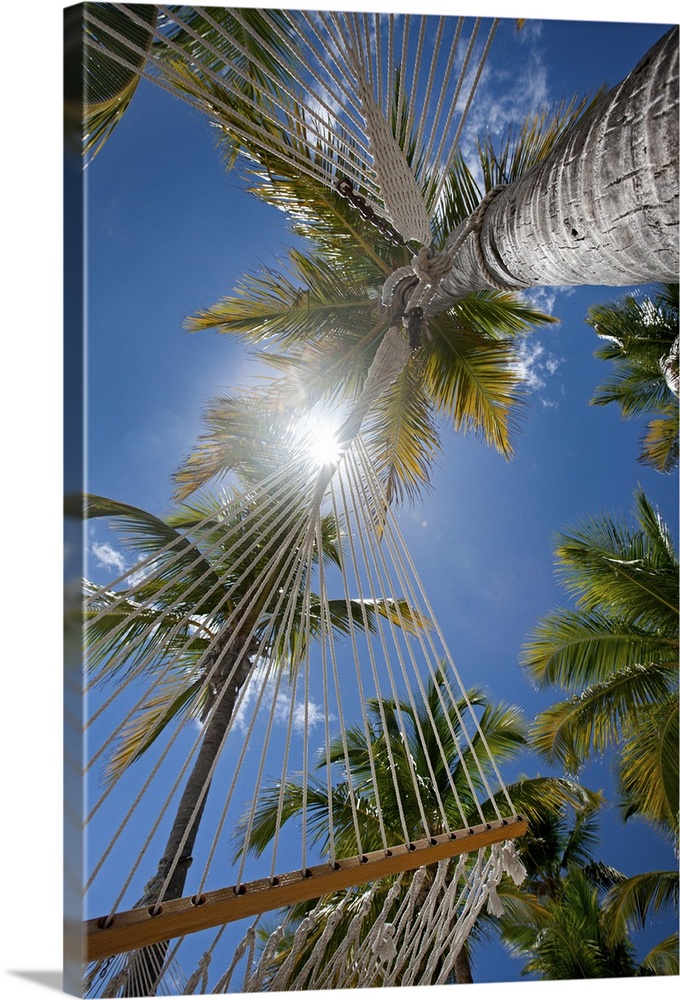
144, 970
461, 967
601, 209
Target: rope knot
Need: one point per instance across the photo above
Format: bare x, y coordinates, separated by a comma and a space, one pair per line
384, 947
512, 863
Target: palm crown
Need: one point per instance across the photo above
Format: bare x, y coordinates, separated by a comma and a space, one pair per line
641, 342
616, 653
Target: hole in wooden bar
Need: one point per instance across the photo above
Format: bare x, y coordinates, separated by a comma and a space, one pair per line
198, 900
133, 929
155, 910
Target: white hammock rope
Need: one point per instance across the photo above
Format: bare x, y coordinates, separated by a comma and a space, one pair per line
127, 648
415, 938
336, 66
355, 494
337, 115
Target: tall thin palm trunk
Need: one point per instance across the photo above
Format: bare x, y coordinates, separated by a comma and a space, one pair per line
146, 967
461, 967
601, 209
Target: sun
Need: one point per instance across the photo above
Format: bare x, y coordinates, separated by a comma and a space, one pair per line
318, 434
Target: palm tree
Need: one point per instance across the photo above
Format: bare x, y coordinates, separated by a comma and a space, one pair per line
575, 920
178, 625
641, 334
319, 323
566, 221
98, 87
432, 721
321, 319
617, 654
566, 938
570, 220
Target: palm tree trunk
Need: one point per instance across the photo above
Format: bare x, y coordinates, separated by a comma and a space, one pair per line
601, 209
144, 970
461, 967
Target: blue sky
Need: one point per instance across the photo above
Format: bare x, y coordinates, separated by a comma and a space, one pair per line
169, 233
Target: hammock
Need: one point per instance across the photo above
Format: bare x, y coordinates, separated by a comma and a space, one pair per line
393, 648
341, 107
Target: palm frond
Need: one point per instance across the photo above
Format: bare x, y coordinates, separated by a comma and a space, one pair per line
474, 382
402, 437
103, 76
250, 433
640, 334
630, 904
522, 148
573, 649
632, 573
661, 442
171, 699
662, 959
306, 301
570, 731
648, 767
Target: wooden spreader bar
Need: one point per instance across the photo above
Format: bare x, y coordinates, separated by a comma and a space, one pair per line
132, 929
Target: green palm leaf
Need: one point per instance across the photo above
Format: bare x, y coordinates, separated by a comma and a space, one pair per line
648, 770
640, 335
662, 960
571, 730
660, 445
102, 70
632, 573
631, 903
573, 649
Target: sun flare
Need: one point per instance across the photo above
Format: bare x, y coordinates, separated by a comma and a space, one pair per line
319, 436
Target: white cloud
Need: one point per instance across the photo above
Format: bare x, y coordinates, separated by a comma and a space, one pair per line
542, 299
107, 557
529, 364
536, 366
505, 98
284, 703
315, 716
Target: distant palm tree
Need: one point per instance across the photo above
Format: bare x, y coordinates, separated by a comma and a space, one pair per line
575, 919
641, 334
181, 611
617, 654
437, 719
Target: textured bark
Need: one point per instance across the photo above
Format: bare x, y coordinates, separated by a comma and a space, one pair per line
147, 964
461, 967
601, 209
